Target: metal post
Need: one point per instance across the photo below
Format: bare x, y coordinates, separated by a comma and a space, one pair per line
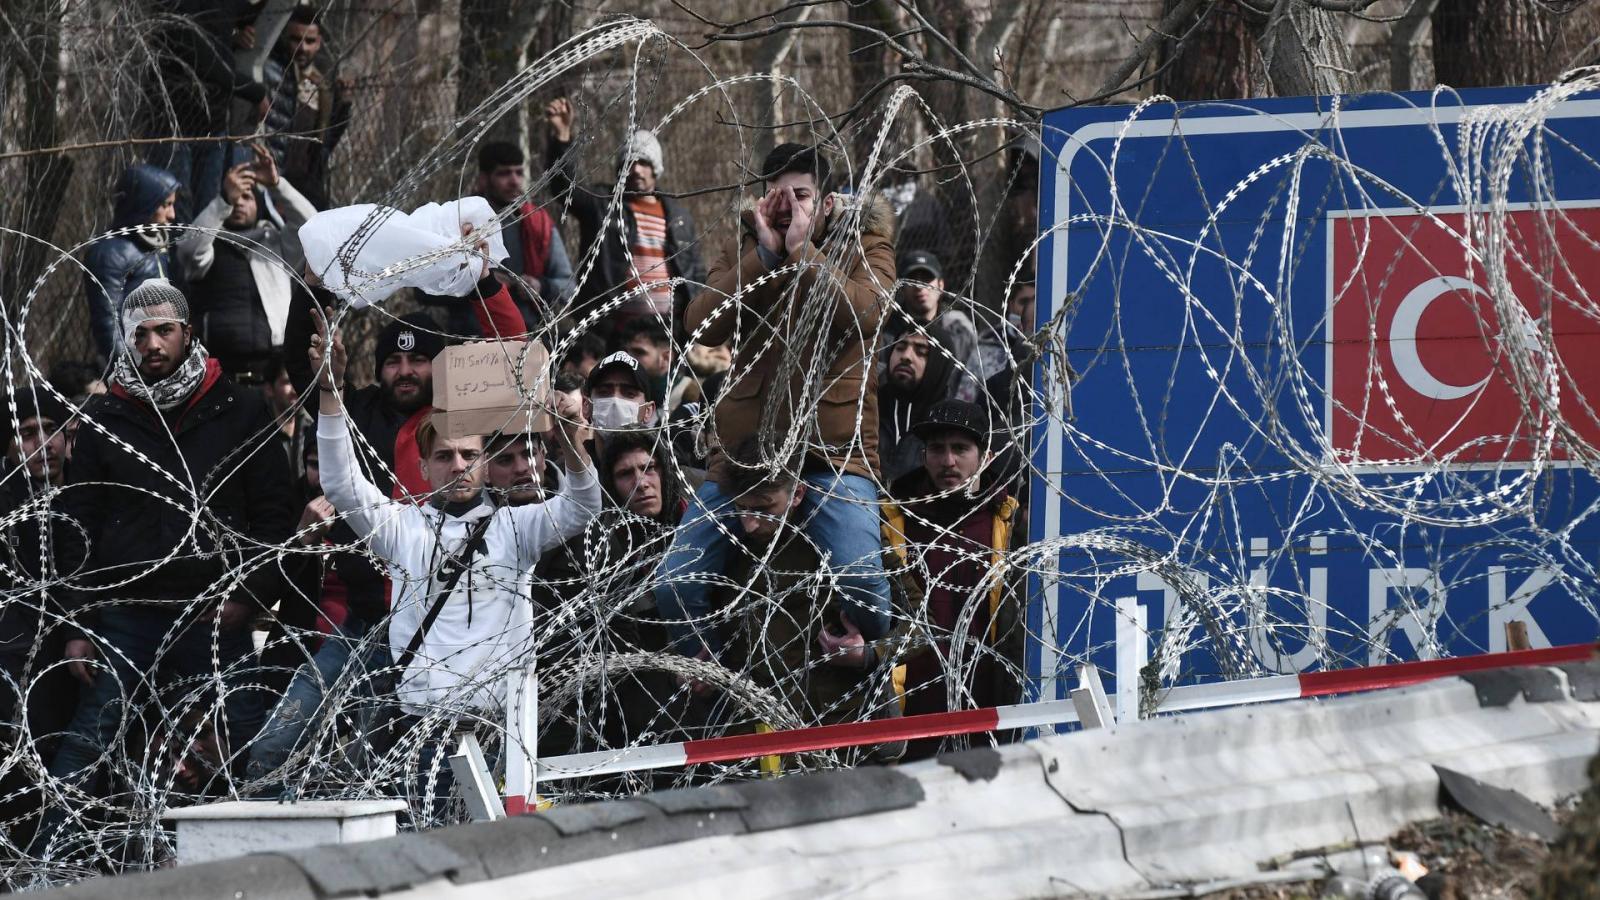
1133, 653
522, 742
1089, 699
475, 781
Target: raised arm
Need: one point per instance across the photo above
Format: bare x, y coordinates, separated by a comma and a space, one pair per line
368, 510
540, 527
198, 249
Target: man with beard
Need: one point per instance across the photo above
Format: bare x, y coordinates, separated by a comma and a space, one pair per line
179, 499
800, 246
242, 283
957, 519
387, 413
918, 374
641, 249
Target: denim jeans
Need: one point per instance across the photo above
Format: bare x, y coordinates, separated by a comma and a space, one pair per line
148, 649
344, 660
839, 514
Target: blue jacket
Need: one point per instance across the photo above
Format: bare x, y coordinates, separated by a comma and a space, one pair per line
117, 265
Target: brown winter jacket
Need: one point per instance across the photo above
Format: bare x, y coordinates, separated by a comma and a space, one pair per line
844, 281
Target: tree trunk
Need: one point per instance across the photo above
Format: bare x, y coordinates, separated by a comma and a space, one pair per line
33, 58
1212, 59
869, 65
497, 41
1486, 43
1303, 50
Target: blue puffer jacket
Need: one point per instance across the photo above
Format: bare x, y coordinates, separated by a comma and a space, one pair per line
117, 265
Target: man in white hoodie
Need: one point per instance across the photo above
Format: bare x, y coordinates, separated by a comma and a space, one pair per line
453, 635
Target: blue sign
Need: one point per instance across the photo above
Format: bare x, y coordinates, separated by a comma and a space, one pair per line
1335, 369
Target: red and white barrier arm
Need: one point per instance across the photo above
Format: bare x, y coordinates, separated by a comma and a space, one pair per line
808, 740
1029, 715
1370, 678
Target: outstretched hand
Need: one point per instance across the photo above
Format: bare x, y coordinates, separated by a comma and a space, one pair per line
558, 114
331, 376
572, 428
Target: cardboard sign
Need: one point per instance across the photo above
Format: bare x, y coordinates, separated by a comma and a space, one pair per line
490, 386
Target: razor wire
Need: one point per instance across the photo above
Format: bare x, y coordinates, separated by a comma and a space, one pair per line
608, 681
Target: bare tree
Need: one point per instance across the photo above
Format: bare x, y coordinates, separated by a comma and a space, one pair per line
1492, 42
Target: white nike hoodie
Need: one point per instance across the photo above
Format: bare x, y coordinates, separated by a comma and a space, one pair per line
483, 629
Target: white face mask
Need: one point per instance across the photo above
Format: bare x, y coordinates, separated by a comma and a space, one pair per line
612, 413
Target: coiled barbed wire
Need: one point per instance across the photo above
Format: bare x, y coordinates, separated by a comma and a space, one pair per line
605, 688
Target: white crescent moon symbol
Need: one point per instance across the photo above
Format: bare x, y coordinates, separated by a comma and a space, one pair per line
1403, 339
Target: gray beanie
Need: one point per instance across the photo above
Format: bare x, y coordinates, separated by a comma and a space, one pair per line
643, 145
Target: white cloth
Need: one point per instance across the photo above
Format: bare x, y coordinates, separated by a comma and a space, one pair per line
483, 630
365, 253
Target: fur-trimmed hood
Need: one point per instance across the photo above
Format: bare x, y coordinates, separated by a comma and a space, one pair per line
876, 217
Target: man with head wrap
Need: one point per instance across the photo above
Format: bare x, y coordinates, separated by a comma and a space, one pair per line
183, 496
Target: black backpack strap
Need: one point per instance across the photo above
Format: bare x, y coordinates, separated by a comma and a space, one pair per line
451, 572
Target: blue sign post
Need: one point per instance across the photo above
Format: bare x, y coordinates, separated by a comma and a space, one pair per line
1335, 381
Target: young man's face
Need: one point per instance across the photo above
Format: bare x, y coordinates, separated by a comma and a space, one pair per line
580, 366
638, 483
763, 510
654, 358
280, 393
407, 380
166, 210
616, 384
1021, 305
452, 467
41, 447
919, 297
313, 471
243, 214
515, 470
505, 184
304, 41
160, 345
952, 458
908, 361
641, 177
804, 185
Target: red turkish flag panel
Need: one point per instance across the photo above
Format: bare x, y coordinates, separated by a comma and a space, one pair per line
1419, 369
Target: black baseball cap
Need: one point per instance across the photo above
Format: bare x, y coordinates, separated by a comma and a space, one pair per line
621, 359
956, 415
920, 261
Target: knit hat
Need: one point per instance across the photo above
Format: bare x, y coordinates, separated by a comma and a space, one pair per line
643, 145
955, 415
156, 300
35, 403
414, 333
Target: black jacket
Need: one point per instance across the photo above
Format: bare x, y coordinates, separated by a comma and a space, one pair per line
33, 556
590, 205
222, 450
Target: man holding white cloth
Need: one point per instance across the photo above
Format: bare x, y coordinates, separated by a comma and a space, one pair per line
459, 620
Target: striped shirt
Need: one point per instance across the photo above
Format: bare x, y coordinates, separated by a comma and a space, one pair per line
650, 256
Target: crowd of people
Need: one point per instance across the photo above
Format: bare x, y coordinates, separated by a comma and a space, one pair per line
796, 462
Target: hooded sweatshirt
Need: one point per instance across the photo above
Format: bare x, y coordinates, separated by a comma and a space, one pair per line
117, 265
484, 627
900, 451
